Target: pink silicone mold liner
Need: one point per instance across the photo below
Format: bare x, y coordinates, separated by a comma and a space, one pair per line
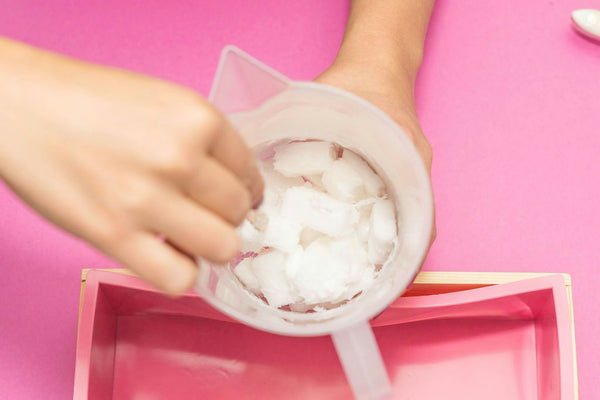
510, 341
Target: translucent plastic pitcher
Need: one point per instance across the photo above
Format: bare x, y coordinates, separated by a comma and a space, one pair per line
266, 106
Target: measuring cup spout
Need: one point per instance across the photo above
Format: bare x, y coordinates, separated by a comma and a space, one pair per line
360, 357
243, 83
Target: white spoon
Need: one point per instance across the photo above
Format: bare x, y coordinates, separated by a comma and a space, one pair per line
587, 22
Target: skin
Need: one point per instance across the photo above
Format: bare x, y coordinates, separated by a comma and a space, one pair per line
379, 59
117, 158
149, 172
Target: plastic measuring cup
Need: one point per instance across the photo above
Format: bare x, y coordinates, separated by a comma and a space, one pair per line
266, 106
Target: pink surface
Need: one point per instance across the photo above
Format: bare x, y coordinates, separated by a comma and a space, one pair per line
134, 344
508, 96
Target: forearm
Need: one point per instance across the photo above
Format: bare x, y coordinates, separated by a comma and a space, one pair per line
12, 54
25, 94
386, 35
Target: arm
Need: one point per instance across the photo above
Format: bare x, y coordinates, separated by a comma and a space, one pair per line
118, 158
380, 57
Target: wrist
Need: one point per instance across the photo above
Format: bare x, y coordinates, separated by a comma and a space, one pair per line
392, 78
387, 35
382, 55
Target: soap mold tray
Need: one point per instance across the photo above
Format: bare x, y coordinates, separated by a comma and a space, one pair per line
451, 336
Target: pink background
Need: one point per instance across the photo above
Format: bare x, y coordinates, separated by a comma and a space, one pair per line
509, 97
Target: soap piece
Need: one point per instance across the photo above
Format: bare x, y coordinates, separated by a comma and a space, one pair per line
304, 158
374, 186
324, 229
293, 263
270, 272
365, 281
322, 274
318, 211
309, 235
382, 231
360, 274
282, 233
258, 219
251, 237
277, 182
343, 182
364, 224
332, 271
316, 181
246, 275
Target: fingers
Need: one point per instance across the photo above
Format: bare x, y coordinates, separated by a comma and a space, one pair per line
231, 151
193, 229
156, 262
219, 191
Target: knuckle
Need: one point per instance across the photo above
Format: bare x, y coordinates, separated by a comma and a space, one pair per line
203, 124
181, 154
109, 233
138, 196
177, 159
210, 121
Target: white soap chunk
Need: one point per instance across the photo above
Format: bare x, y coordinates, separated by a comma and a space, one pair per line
269, 268
354, 254
343, 182
383, 220
359, 272
309, 235
271, 201
282, 233
293, 263
276, 182
374, 186
250, 236
318, 211
364, 224
382, 231
258, 219
367, 277
323, 230
316, 181
246, 275
304, 158
322, 274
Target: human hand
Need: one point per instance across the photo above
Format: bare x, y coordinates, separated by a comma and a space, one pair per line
121, 160
391, 91
379, 59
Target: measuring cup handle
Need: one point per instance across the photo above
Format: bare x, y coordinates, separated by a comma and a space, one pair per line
360, 357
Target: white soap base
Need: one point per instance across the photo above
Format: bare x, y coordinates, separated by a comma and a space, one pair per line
324, 230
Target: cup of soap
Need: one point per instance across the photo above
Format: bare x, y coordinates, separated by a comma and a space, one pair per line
345, 222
